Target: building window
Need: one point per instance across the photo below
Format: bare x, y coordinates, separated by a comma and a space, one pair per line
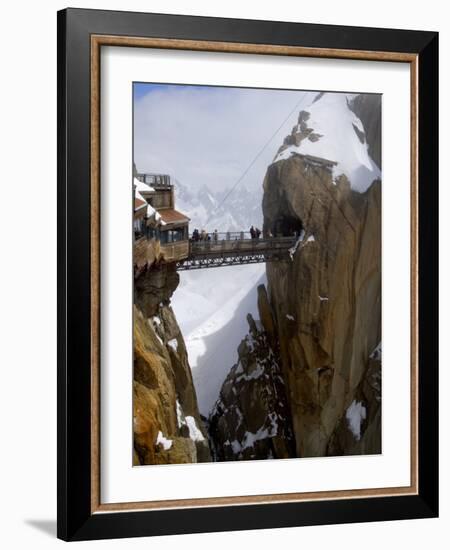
138, 226
174, 235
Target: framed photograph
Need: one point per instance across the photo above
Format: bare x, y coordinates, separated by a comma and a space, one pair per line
247, 255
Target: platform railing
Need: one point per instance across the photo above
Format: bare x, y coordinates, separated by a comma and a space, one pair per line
234, 236
240, 245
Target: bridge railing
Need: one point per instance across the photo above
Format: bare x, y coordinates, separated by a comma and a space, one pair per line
233, 236
240, 245
222, 236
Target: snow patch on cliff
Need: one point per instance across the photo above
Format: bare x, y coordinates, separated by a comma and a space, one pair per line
194, 433
355, 415
293, 249
163, 441
180, 415
259, 371
334, 123
173, 344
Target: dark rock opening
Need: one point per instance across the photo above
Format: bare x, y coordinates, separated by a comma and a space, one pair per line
287, 226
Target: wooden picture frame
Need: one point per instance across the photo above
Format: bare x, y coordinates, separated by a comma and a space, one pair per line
81, 35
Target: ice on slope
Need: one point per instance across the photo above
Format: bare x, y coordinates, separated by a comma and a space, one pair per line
332, 118
212, 344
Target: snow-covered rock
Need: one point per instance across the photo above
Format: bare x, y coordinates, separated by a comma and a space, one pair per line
251, 419
328, 129
173, 344
165, 443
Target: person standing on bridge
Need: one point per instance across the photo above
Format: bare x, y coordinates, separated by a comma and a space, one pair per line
257, 233
203, 236
216, 235
252, 232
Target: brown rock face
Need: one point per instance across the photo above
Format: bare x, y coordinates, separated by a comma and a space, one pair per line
345, 439
167, 424
326, 302
266, 315
154, 288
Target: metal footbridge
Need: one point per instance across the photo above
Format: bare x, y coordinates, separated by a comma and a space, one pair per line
228, 249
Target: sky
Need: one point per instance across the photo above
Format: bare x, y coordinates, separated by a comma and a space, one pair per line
210, 135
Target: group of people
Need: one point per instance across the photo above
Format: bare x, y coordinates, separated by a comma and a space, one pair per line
204, 236
255, 232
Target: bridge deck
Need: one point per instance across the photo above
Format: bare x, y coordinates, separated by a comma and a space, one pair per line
226, 252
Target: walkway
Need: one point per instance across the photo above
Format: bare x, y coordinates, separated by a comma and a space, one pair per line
226, 249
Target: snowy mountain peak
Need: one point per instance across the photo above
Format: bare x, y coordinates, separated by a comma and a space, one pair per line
221, 210
329, 129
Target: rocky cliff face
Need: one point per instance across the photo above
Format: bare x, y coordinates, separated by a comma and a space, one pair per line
308, 379
167, 424
251, 418
327, 301
319, 344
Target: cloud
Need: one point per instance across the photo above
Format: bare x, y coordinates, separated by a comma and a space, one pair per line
210, 135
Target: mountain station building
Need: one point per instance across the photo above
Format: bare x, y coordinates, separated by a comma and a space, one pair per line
160, 231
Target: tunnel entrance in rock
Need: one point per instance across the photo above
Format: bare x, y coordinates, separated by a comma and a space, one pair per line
287, 226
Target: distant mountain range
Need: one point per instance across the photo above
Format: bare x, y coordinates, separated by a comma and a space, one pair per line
212, 210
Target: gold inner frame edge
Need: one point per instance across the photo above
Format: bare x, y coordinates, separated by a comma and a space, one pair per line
97, 41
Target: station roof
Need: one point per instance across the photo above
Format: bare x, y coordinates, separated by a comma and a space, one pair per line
172, 216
